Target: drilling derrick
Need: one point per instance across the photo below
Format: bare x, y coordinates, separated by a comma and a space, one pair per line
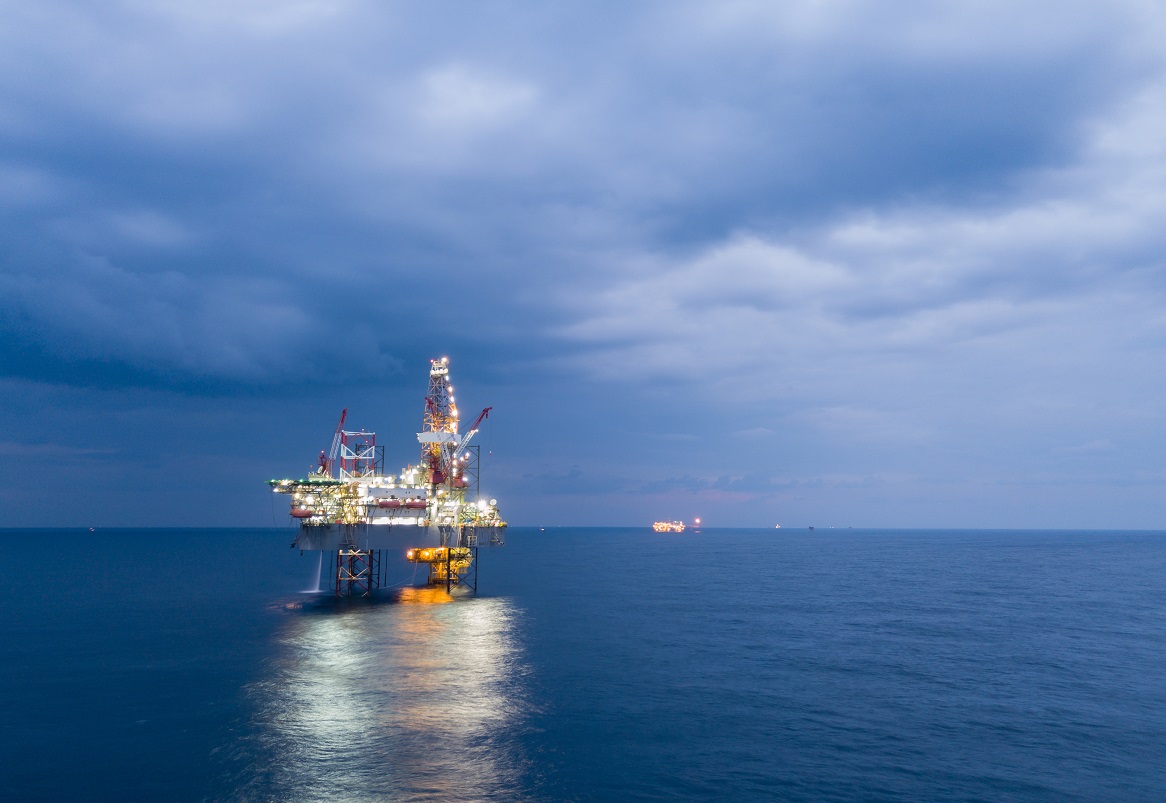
348, 506
451, 468
438, 435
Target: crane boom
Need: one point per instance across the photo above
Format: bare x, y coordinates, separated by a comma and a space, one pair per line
336, 442
465, 441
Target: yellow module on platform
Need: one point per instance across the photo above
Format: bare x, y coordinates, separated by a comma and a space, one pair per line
448, 565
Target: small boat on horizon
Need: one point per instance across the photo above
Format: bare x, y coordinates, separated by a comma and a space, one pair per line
668, 526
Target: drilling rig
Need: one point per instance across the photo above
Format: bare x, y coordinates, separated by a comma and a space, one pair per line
349, 507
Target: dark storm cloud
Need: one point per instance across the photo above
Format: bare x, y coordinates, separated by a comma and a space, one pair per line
224, 177
84, 320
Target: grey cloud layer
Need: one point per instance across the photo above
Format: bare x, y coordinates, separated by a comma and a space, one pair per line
353, 144
914, 225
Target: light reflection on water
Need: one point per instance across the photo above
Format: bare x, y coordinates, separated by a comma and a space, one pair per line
421, 698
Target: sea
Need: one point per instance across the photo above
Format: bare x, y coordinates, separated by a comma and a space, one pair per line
592, 664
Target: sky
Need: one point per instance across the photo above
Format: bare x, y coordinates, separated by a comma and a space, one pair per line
833, 263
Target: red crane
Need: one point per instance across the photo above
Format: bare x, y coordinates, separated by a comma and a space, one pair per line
481, 417
461, 447
329, 460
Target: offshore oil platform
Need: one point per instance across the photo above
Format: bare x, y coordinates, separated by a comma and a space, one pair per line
433, 512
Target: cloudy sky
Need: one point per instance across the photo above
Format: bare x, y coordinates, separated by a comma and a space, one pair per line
833, 262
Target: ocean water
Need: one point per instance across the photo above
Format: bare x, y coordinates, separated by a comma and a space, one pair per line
594, 664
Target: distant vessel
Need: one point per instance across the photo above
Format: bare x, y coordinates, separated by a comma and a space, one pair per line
668, 526
777, 526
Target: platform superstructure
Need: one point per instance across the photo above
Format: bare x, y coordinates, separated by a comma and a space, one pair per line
433, 512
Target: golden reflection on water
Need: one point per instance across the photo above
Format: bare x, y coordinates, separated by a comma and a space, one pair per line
418, 699
423, 596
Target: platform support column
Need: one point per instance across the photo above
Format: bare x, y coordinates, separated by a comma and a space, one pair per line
358, 572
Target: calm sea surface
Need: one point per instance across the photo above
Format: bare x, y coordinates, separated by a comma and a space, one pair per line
594, 664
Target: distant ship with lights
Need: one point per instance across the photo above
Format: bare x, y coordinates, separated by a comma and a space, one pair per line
431, 514
668, 526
